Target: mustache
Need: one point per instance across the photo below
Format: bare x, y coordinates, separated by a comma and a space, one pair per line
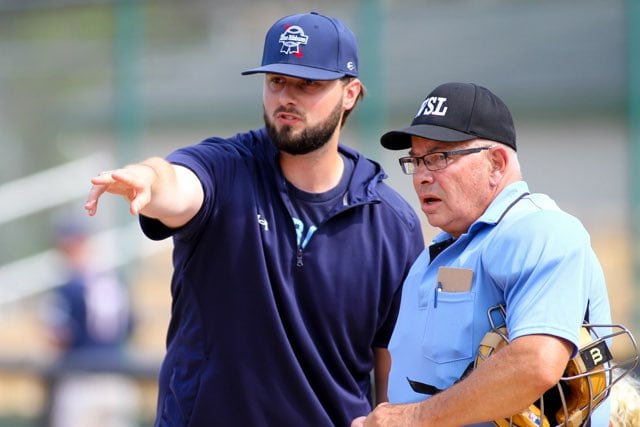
288, 110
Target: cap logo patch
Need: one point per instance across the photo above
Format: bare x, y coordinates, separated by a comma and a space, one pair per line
433, 105
291, 40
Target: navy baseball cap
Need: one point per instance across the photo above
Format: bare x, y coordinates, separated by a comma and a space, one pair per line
455, 112
309, 46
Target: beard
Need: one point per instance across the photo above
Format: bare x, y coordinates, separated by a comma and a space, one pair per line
310, 139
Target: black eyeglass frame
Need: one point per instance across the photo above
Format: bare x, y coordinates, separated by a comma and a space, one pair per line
415, 160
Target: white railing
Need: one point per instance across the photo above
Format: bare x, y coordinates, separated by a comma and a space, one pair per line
32, 275
49, 188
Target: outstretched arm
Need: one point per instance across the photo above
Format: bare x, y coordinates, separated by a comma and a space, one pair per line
154, 187
503, 385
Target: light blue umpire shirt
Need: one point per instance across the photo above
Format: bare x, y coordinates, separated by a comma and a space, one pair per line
525, 252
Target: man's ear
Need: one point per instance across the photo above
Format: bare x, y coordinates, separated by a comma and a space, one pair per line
499, 159
352, 91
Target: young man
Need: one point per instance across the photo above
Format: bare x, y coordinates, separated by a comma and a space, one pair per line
500, 244
289, 250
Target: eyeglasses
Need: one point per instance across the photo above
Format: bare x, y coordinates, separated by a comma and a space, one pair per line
435, 161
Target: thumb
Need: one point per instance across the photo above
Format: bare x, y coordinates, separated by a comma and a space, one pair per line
358, 422
139, 200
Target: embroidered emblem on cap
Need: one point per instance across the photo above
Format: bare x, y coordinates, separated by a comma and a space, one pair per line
291, 40
433, 105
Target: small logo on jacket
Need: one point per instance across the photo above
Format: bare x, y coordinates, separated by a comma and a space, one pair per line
263, 222
291, 40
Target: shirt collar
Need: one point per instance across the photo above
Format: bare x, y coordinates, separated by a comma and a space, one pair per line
503, 202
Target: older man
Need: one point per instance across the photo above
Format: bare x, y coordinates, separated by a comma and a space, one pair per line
500, 244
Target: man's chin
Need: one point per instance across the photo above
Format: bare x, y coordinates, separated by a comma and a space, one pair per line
293, 152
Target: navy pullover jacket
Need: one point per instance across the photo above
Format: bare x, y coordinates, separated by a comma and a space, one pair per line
263, 333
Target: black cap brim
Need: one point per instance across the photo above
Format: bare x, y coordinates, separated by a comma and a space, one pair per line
400, 139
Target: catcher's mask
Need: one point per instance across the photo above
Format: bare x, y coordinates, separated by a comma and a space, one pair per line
586, 381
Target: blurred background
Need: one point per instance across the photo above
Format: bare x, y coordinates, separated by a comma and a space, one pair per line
87, 85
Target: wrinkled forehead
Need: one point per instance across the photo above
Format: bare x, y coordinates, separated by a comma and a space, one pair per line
421, 145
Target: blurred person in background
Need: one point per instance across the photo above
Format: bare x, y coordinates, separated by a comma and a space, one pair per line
289, 249
89, 320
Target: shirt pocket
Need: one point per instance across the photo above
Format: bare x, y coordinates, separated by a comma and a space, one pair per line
448, 332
